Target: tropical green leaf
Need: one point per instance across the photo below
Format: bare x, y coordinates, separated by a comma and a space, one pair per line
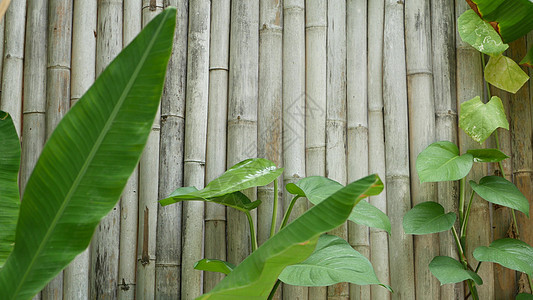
333, 261
500, 191
510, 253
214, 265
448, 270
479, 120
318, 188
257, 274
487, 155
441, 161
87, 161
9, 189
479, 34
246, 174
427, 217
504, 73
528, 62
524, 296
235, 200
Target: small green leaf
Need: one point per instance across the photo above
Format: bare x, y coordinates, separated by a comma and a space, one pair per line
366, 214
528, 62
479, 120
214, 265
479, 34
500, 191
333, 261
440, 161
427, 217
487, 155
504, 73
524, 296
510, 253
448, 270
235, 200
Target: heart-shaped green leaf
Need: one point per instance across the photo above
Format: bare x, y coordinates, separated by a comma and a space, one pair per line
366, 214
235, 200
500, 191
487, 155
479, 34
524, 296
510, 253
504, 73
448, 270
9, 189
214, 265
441, 161
528, 62
479, 120
427, 217
333, 261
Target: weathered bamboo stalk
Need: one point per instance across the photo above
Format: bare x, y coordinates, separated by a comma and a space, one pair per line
336, 113
11, 100
242, 113
195, 143
129, 209
316, 27
215, 214
397, 150
294, 111
421, 132
379, 245
169, 219
470, 85
357, 120
105, 246
443, 46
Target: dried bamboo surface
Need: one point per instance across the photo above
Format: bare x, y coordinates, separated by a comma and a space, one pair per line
169, 219
470, 85
215, 214
397, 150
421, 132
103, 277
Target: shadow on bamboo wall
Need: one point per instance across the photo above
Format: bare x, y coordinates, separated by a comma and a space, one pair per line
334, 88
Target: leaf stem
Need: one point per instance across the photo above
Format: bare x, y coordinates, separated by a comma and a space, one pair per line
486, 83
462, 199
465, 223
274, 290
274, 209
253, 239
288, 212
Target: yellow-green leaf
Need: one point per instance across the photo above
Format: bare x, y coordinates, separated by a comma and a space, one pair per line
504, 73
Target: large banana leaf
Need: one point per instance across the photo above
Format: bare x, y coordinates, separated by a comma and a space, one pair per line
85, 164
257, 274
9, 190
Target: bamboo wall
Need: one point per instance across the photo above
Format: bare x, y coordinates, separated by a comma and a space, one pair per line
334, 88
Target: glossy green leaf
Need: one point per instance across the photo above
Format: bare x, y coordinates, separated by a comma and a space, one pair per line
235, 200
427, 217
479, 34
510, 253
441, 161
214, 265
524, 296
246, 174
257, 274
333, 261
504, 73
479, 120
528, 62
448, 270
500, 191
318, 188
487, 155
87, 161
9, 189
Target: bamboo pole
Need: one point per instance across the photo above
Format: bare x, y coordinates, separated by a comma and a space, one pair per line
316, 26
379, 245
357, 120
11, 100
443, 46
397, 150
103, 276
242, 113
470, 85
169, 219
215, 214
336, 113
421, 132
195, 143
294, 111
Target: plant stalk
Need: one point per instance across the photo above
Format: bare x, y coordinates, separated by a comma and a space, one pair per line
465, 222
288, 212
274, 209
271, 296
462, 199
253, 239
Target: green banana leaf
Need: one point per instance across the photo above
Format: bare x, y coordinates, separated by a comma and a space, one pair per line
87, 161
9, 189
257, 274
